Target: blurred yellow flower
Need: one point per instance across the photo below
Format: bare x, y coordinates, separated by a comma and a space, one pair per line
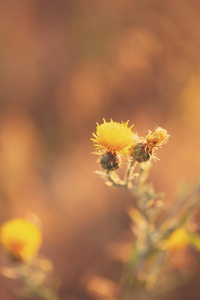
178, 240
156, 138
20, 238
113, 137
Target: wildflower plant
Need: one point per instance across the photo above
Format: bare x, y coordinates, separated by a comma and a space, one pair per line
112, 140
157, 232
21, 240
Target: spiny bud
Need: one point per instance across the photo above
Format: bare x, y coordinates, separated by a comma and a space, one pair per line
140, 153
157, 138
109, 161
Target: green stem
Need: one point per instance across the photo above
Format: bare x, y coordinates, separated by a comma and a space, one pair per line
33, 287
129, 171
120, 183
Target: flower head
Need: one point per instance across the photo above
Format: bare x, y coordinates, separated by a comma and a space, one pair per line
113, 137
20, 238
156, 138
143, 148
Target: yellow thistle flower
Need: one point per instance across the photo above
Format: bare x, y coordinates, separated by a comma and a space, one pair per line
20, 238
178, 240
113, 137
156, 138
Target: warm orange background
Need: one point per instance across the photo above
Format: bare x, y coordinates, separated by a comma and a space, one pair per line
64, 65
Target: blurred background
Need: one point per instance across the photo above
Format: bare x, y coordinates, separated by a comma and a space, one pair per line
65, 65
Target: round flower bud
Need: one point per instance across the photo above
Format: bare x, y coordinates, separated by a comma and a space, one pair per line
140, 153
109, 161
